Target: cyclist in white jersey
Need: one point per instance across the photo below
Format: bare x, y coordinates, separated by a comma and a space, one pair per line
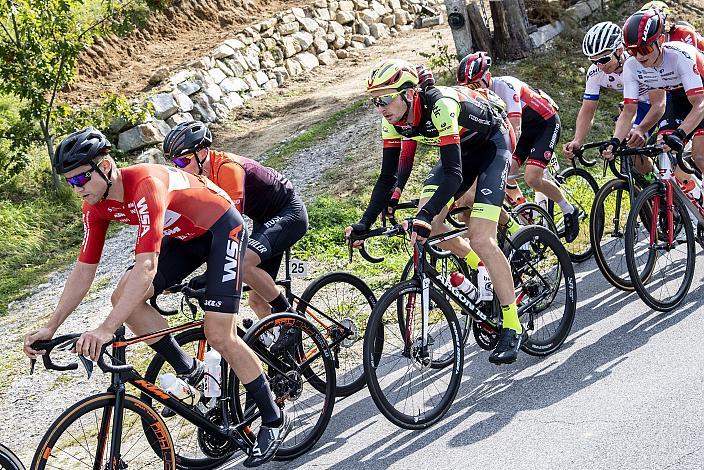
603, 45
673, 66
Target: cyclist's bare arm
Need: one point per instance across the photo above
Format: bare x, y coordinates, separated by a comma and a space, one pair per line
516, 124
696, 115
137, 288
584, 123
75, 289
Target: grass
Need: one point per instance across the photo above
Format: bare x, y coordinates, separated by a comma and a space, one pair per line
278, 156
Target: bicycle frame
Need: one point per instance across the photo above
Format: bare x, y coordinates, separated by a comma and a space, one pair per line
666, 176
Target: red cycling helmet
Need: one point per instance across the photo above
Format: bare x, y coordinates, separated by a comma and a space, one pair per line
473, 67
643, 28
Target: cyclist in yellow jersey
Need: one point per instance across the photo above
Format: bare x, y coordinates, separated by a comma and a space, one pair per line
475, 143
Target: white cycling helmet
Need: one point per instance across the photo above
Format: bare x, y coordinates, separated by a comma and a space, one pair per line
602, 37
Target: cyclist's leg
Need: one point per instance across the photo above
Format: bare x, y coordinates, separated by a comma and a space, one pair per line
177, 260
513, 191
265, 248
457, 245
542, 147
221, 303
482, 233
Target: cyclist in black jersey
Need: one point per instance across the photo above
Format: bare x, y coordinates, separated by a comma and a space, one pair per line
475, 143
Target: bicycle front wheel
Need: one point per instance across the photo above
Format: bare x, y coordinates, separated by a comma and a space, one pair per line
8, 460
545, 285
81, 437
579, 188
661, 272
402, 376
339, 304
445, 266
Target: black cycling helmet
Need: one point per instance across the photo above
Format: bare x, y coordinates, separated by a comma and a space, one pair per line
185, 138
80, 148
643, 28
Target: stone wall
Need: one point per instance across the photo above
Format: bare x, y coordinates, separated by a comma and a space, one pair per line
264, 55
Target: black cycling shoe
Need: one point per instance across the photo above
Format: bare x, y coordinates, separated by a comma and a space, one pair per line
571, 225
193, 378
268, 442
510, 342
286, 341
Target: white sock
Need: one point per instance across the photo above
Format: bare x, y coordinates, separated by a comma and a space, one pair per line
565, 206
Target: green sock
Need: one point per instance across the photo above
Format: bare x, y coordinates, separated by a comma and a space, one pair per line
472, 259
512, 226
510, 318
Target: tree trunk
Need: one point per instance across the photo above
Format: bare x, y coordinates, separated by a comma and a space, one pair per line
459, 24
49, 140
481, 37
511, 39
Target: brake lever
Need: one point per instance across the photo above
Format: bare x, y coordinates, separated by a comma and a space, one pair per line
87, 364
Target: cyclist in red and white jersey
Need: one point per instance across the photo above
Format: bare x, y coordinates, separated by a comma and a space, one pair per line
675, 67
678, 30
182, 221
533, 116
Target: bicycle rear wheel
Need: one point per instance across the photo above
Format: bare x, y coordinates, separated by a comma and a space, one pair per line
530, 213
349, 301
403, 379
661, 274
545, 288
8, 460
607, 232
295, 379
579, 188
80, 437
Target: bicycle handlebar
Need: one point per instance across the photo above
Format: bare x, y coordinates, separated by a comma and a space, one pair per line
394, 230
67, 342
579, 153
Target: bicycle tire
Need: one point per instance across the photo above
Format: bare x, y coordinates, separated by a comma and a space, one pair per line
606, 252
347, 354
180, 426
539, 240
580, 249
642, 202
50, 444
465, 321
8, 459
316, 345
376, 339
531, 213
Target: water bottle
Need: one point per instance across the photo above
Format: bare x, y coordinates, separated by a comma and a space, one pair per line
212, 374
178, 388
486, 289
464, 285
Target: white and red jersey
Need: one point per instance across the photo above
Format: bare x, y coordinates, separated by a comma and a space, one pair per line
685, 32
597, 79
533, 106
681, 68
159, 201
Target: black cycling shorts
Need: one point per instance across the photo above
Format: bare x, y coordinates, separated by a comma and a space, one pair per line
221, 249
486, 163
537, 143
271, 239
676, 110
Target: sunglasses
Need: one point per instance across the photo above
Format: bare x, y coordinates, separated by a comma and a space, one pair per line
640, 50
385, 100
182, 162
602, 60
81, 179
473, 86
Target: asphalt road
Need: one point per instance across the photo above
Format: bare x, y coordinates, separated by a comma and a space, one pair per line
625, 391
